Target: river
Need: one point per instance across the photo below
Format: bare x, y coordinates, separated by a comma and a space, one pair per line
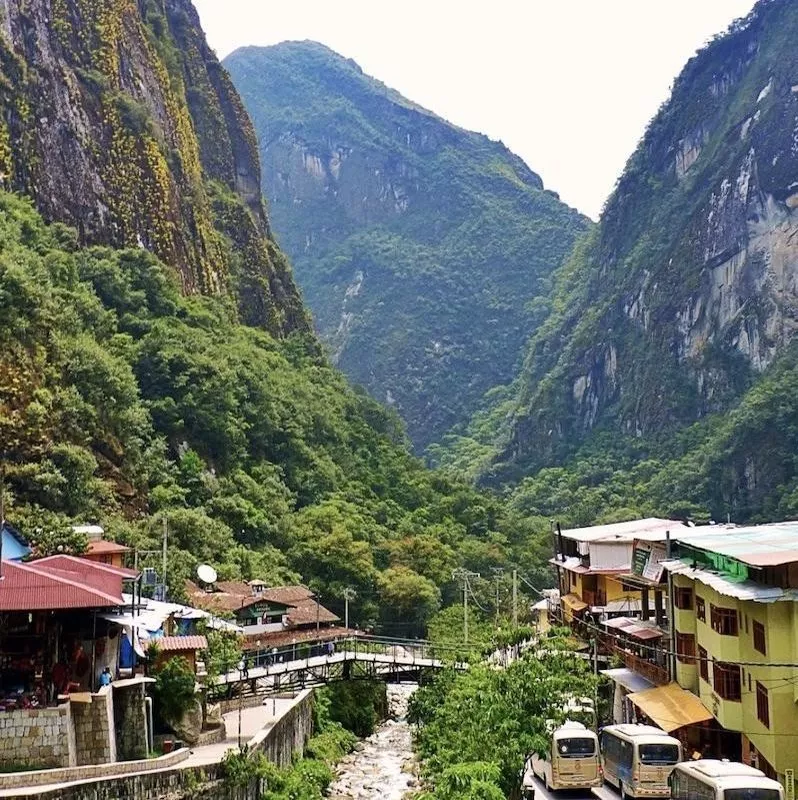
382, 766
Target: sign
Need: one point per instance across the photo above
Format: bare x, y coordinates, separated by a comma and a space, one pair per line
789, 784
647, 558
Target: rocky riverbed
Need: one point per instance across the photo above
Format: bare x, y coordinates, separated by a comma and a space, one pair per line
382, 767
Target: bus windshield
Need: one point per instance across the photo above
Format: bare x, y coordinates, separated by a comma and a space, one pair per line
659, 753
576, 747
751, 794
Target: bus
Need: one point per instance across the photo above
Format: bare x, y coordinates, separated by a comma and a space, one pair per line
638, 759
708, 779
573, 760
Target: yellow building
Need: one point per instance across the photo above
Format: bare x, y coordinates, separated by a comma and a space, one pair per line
735, 626
594, 567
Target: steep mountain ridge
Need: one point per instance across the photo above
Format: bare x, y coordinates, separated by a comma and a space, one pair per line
424, 250
116, 117
687, 291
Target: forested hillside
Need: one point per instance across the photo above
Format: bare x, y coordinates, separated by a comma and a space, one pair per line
423, 250
132, 388
663, 377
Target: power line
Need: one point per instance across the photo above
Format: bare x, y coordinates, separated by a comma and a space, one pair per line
669, 652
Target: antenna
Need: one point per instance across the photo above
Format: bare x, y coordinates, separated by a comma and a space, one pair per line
207, 574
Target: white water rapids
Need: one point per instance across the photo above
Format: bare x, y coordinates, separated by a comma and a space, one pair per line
382, 766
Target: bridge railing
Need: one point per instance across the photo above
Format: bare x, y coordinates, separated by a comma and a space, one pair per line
387, 648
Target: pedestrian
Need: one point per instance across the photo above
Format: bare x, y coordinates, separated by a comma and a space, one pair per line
106, 677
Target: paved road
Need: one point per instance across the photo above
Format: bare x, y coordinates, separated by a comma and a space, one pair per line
605, 793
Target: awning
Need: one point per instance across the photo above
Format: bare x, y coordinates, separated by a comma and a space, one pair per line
671, 707
573, 603
628, 678
643, 633
619, 623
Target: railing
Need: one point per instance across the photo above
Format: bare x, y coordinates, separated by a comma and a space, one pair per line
656, 673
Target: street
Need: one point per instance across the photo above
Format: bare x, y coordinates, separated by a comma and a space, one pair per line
605, 793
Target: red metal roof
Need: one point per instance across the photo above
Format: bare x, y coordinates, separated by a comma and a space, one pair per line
180, 644
85, 566
37, 587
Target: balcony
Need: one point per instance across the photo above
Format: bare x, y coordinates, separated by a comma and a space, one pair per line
650, 670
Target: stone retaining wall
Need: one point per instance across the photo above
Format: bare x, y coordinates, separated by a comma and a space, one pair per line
289, 735
44, 777
94, 729
37, 736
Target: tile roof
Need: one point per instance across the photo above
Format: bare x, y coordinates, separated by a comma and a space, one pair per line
38, 587
105, 548
287, 595
309, 611
265, 641
180, 644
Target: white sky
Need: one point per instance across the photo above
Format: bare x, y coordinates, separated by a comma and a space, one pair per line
569, 85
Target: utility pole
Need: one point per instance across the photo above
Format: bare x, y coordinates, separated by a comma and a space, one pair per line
463, 576
497, 576
165, 536
515, 598
349, 594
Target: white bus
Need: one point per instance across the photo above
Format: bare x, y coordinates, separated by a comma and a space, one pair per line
573, 760
708, 779
638, 759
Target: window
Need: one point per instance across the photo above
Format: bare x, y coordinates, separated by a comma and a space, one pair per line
685, 648
724, 620
683, 598
658, 753
703, 664
576, 747
700, 609
759, 638
726, 678
762, 707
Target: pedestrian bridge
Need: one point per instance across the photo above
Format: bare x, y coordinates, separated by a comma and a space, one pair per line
313, 663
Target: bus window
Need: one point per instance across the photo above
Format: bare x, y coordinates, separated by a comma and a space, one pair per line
752, 794
576, 747
659, 754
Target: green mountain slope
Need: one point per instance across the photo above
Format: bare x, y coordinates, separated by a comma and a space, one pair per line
116, 117
131, 390
681, 306
423, 250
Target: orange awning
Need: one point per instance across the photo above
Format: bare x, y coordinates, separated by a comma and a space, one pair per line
573, 603
670, 707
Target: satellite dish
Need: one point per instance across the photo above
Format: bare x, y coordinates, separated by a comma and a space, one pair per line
206, 573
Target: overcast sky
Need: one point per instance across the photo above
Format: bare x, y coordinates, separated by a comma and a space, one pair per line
569, 85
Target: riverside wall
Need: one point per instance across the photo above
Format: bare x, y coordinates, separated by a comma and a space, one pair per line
279, 743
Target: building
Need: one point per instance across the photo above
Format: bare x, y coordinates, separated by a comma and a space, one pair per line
735, 621
13, 545
100, 550
595, 569
55, 642
269, 617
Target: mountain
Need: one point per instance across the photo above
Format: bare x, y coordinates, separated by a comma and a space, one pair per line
99, 106
156, 361
423, 250
679, 311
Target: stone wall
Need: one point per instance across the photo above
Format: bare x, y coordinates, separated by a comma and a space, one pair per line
37, 737
130, 720
94, 729
289, 735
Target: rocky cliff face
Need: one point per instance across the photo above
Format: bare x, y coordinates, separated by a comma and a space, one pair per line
688, 289
420, 247
118, 120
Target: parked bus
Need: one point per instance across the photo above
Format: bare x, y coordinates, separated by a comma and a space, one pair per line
638, 759
707, 779
573, 760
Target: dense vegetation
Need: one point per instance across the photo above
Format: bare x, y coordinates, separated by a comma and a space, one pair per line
476, 728
662, 379
423, 250
123, 401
